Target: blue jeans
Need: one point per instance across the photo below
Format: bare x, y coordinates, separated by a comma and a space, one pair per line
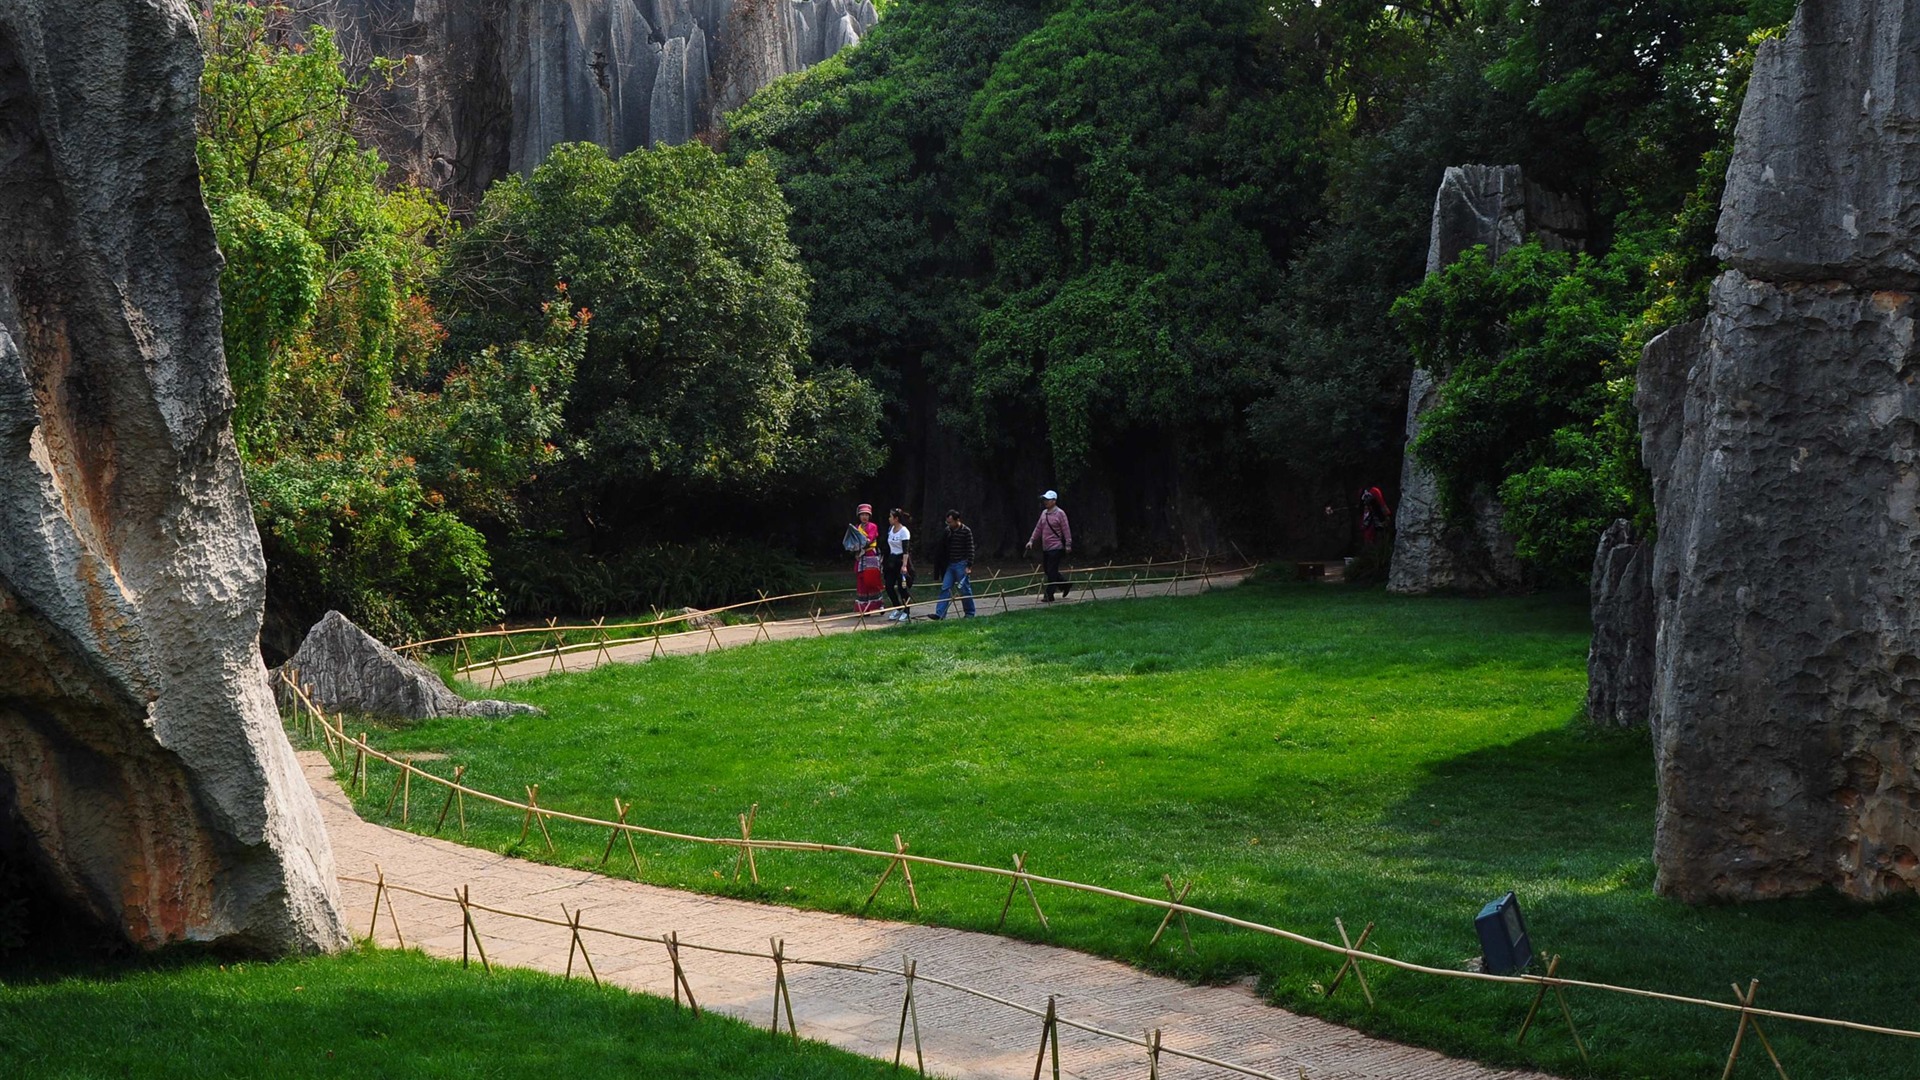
954, 579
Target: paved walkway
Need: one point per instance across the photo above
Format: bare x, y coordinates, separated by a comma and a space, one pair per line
726, 637
963, 1036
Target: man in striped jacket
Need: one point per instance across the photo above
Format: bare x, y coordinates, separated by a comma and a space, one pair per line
954, 555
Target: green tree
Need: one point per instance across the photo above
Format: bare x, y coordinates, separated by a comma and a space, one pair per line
697, 379
341, 393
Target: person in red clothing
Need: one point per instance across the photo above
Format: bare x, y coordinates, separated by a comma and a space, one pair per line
868, 582
1375, 515
1055, 537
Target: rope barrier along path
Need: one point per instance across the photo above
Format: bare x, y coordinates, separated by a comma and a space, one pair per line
903, 859
776, 954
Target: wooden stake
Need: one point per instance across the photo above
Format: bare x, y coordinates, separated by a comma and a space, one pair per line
656, 645
906, 872
780, 991
713, 638
601, 656
394, 796
534, 814
746, 845
1133, 587
621, 809
1352, 962
817, 632
1181, 898
909, 1011
452, 792
1153, 1054
359, 764
1559, 993
1020, 867
1049, 1036
761, 634
672, 942
1748, 1020
573, 921
465, 896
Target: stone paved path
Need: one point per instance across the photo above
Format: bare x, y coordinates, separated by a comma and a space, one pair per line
963, 1036
726, 637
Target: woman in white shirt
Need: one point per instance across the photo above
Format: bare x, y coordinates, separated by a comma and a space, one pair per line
898, 565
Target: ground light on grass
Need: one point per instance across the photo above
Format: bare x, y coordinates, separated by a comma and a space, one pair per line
376, 1013
1300, 752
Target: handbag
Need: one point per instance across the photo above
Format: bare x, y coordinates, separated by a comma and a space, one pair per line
854, 541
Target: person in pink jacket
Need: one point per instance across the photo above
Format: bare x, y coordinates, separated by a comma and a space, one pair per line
1055, 537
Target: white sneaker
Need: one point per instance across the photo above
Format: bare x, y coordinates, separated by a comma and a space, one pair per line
893, 616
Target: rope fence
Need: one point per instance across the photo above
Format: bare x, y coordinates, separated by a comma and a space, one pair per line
1152, 1041
339, 743
603, 636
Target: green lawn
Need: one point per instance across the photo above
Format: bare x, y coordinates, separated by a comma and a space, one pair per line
1300, 751
375, 1013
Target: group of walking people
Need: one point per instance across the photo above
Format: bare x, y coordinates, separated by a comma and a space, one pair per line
883, 572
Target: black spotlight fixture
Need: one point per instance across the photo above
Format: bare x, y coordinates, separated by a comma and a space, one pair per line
1505, 948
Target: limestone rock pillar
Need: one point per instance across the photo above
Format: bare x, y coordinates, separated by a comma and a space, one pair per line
144, 774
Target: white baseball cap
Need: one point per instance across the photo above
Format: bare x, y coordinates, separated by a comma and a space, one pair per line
1050, 494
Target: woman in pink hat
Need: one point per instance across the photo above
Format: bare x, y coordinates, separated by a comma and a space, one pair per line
869, 586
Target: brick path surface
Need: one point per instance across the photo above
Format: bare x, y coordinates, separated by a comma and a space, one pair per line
962, 1036
726, 637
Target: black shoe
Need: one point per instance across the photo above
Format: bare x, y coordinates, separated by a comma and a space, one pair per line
1047, 599
1064, 590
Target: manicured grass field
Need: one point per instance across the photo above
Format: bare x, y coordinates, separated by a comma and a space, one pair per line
375, 1013
1300, 751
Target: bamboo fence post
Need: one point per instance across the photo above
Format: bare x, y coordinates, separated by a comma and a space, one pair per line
1748, 1020
379, 890
761, 634
1560, 995
906, 872
672, 942
1049, 1034
365, 765
468, 929
817, 632
1348, 964
1002, 593
573, 922
1351, 962
494, 675
1013, 886
453, 791
1133, 587
1181, 898
780, 991
909, 1011
713, 637
746, 845
1153, 1054
620, 810
534, 814
655, 654
394, 796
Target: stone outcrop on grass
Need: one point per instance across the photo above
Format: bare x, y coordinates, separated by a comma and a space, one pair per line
347, 670
144, 774
1496, 207
1785, 450
1620, 659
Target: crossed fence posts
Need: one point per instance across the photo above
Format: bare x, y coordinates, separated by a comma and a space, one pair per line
1352, 952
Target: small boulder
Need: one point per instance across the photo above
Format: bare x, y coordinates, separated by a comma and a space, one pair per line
349, 670
697, 619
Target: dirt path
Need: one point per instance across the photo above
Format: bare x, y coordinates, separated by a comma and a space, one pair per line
962, 1036
727, 637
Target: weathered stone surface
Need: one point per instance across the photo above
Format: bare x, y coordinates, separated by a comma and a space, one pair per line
1826, 166
1476, 205
492, 86
143, 768
1787, 676
348, 670
1620, 660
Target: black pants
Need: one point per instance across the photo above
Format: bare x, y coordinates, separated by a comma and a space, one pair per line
899, 593
1050, 561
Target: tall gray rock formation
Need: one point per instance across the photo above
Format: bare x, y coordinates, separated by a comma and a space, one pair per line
491, 86
1620, 658
345, 669
1787, 487
143, 770
1494, 206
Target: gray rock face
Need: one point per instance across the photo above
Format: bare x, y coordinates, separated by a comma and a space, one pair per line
1782, 439
1826, 170
491, 86
1620, 660
348, 670
1787, 680
143, 768
1491, 205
